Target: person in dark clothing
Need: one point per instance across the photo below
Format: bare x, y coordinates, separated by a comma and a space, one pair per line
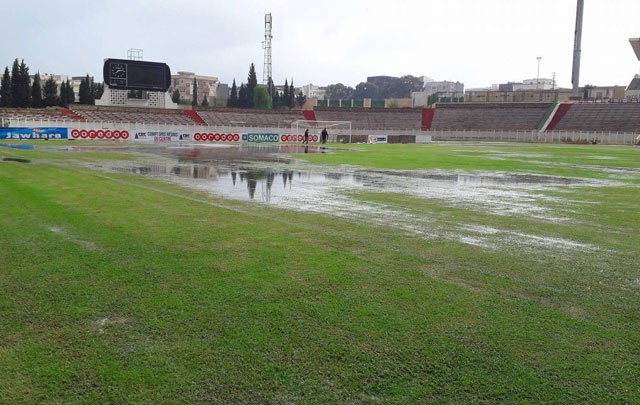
324, 135
306, 137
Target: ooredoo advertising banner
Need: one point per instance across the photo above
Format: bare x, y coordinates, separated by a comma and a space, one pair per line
99, 134
34, 133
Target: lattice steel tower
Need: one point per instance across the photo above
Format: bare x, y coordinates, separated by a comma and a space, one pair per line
266, 45
135, 54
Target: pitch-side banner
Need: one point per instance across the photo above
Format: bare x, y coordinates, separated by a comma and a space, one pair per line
161, 136
34, 133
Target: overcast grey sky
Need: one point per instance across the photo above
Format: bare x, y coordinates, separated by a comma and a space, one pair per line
329, 41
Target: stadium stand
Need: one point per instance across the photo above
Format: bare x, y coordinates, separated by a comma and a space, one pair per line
27, 114
133, 115
427, 118
560, 113
233, 117
195, 117
595, 117
489, 116
309, 115
373, 118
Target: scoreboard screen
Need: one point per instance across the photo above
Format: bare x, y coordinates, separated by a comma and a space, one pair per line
136, 75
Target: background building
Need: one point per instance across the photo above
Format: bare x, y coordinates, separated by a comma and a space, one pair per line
207, 87
313, 91
434, 92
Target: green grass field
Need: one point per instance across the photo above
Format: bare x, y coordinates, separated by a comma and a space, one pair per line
123, 289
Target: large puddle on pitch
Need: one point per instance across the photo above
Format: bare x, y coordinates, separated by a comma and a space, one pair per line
265, 176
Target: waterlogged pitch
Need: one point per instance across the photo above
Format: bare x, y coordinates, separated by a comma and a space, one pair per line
288, 274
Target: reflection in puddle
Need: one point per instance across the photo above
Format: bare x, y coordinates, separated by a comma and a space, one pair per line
241, 180
288, 184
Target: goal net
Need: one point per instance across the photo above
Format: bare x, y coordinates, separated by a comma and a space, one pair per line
339, 131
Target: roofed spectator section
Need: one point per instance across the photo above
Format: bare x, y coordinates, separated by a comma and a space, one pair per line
489, 116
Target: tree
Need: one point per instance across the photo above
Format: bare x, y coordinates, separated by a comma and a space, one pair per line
5, 89
194, 99
36, 92
84, 94
276, 99
50, 92
67, 94
205, 101
175, 97
366, 90
284, 101
97, 89
410, 84
587, 91
243, 97
271, 88
339, 90
301, 99
252, 83
232, 101
20, 85
292, 95
89, 91
261, 97
15, 83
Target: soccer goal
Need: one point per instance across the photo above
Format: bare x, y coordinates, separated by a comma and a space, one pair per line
339, 131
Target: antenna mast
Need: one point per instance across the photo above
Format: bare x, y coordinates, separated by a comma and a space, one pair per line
266, 45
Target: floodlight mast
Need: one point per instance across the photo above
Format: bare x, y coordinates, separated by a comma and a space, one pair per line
635, 44
266, 45
577, 49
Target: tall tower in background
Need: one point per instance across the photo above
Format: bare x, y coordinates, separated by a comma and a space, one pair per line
266, 45
577, 49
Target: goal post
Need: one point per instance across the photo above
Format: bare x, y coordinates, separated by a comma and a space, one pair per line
337, 129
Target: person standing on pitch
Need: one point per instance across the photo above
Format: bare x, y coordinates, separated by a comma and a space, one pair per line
324, 135
306, 137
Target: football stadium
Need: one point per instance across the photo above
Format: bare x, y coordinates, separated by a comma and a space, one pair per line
463, 252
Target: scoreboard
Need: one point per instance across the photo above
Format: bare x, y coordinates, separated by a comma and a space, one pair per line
136, 75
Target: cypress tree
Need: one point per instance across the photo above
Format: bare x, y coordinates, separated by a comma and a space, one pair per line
67, 95
271, 88
243, 97
24, 86
63, 94
83, 93
292, 95
284, 101
194, 100
36, 92
70, 94
252, 83
5, 89
233, 97
96, 91
15, 83
50, 92
175, 96
205, 101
